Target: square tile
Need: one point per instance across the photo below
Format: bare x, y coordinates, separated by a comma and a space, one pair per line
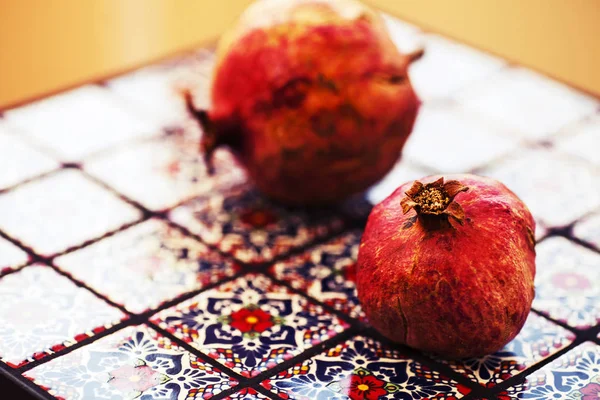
568, 282
362, 368
136, 362
245, 224
558, 190
588, 229
146, 265
402, 172
327, 273
529, 103
250, 324
584, 142
61, 211
79, 122
19, 162
42, 312
11, 256
574, 375
448, 66
449, 140
538, 340
162, 173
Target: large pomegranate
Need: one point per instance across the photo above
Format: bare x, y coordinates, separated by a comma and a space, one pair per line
312, 96
448, 266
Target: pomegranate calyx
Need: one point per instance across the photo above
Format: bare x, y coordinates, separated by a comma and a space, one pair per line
435, 200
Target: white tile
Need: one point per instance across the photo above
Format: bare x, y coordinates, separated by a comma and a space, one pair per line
589, 229
79, 122
533, 105
10, 255
448, 66
584, 142
451, 141
557, 189
61, 211
18, 161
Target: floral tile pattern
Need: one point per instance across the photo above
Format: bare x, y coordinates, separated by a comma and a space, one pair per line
362, 368
42, 312
528, 103
573, 376
246, 394
538, 340
79, 122
61, 211
589, 229
544, 180
11, 256
462, 151
568, 282
136, 362
162, 173
18, 161
145, 265
327, 273
243, 223
250, 324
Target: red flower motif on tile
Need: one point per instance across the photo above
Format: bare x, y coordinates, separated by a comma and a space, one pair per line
571, 281
258, 218
130, 378
364, 387
591, 391
251, 319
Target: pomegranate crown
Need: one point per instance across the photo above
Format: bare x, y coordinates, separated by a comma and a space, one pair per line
436, 198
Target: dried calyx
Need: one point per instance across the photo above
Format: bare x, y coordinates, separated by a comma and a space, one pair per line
434, 202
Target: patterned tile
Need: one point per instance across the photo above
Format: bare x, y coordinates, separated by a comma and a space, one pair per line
557, 190
362, 368
402, 172
246, 394
18, 161
530, 104
448, 66
584, 142
136, 362
538, 340
61, 211
326, 272
11, 256
574, 375
79, 122
243, 223
250, 324
42, 312
588, 229
568, 282
162, 173
146, 265
451, 141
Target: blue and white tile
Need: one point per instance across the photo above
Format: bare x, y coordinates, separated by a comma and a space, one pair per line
79, 122
573, 376
61, 211
42, 312
362, 368
568, 282
588, 229
250, 324
145, 265
136, 362
557, 189
528, 103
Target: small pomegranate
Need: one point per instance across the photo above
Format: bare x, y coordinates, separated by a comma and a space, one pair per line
312, 96
447, 266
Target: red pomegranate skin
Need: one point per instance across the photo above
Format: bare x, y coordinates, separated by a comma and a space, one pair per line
316, 105
456, 290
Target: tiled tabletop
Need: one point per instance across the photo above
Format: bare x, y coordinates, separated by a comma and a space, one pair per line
126, 271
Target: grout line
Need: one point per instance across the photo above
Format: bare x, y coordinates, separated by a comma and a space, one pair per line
23, 383
31, 179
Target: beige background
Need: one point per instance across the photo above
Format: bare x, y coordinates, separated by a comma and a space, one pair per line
46, 46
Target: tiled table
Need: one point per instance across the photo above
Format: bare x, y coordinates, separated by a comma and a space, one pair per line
126, 271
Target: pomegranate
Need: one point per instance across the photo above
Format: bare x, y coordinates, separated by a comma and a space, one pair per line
312, 96
446, 265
